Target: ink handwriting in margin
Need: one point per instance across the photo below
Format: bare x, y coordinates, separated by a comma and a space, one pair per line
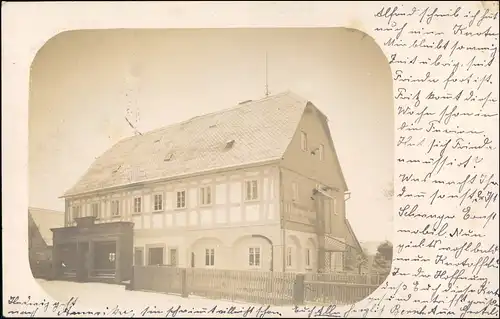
446, 104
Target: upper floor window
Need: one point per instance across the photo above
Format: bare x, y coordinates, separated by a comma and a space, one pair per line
95, 210
254, 256
295, 191
303, 141
181, 199
75, 211
209, 257
321, 151
206, 195
158, 202
137, 205
251, 190
115, 207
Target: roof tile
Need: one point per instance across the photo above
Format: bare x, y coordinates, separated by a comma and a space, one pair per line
261, 130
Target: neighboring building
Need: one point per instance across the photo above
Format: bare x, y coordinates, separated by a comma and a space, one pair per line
257, 186
40, 222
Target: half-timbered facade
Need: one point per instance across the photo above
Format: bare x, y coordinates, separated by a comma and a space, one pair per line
257, 186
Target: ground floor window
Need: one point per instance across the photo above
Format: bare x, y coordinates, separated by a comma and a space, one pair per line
254, 256
155, 256
209, 257
308, 257
173, 257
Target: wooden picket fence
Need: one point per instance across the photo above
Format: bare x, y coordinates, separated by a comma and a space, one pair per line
262, 287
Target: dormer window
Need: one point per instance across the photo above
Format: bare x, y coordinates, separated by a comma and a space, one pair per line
117, 169
168, 157
303, 141
229, 144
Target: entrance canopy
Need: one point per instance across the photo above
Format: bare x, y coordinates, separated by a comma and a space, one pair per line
90, 251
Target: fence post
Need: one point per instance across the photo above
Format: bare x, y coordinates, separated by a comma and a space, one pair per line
184, 285
299, 289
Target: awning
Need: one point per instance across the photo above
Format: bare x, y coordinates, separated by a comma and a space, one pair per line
335, 244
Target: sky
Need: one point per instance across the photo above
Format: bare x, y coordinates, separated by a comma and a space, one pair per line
84, 83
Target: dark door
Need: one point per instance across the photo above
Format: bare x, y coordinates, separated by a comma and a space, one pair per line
155, 256
83, 261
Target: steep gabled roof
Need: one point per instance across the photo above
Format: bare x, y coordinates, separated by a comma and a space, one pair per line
45, 220
250, 133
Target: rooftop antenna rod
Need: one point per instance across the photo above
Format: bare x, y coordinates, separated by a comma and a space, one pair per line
267, 86
133, 89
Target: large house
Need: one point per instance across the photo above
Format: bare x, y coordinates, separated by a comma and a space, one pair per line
256, 186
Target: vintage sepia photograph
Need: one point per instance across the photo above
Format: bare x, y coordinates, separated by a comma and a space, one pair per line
244, 165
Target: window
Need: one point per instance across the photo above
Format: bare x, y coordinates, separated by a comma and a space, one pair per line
303, 141
209, 257
254, 256
206, 195
155, 256
251, 190
173, 257
289, 256
157, 202
181, 199
308, 257
95, 210
76, 211
295, 190
115, 208
321, 150
137, 205
139, 257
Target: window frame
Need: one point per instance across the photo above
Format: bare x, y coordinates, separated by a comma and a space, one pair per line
141, 205
118, 214
289, 257
162, 256
98, 205
303, 141
256, 247
308, 259
177, 199
203, 195
245, 188
170, 250
210, 257
162, 202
